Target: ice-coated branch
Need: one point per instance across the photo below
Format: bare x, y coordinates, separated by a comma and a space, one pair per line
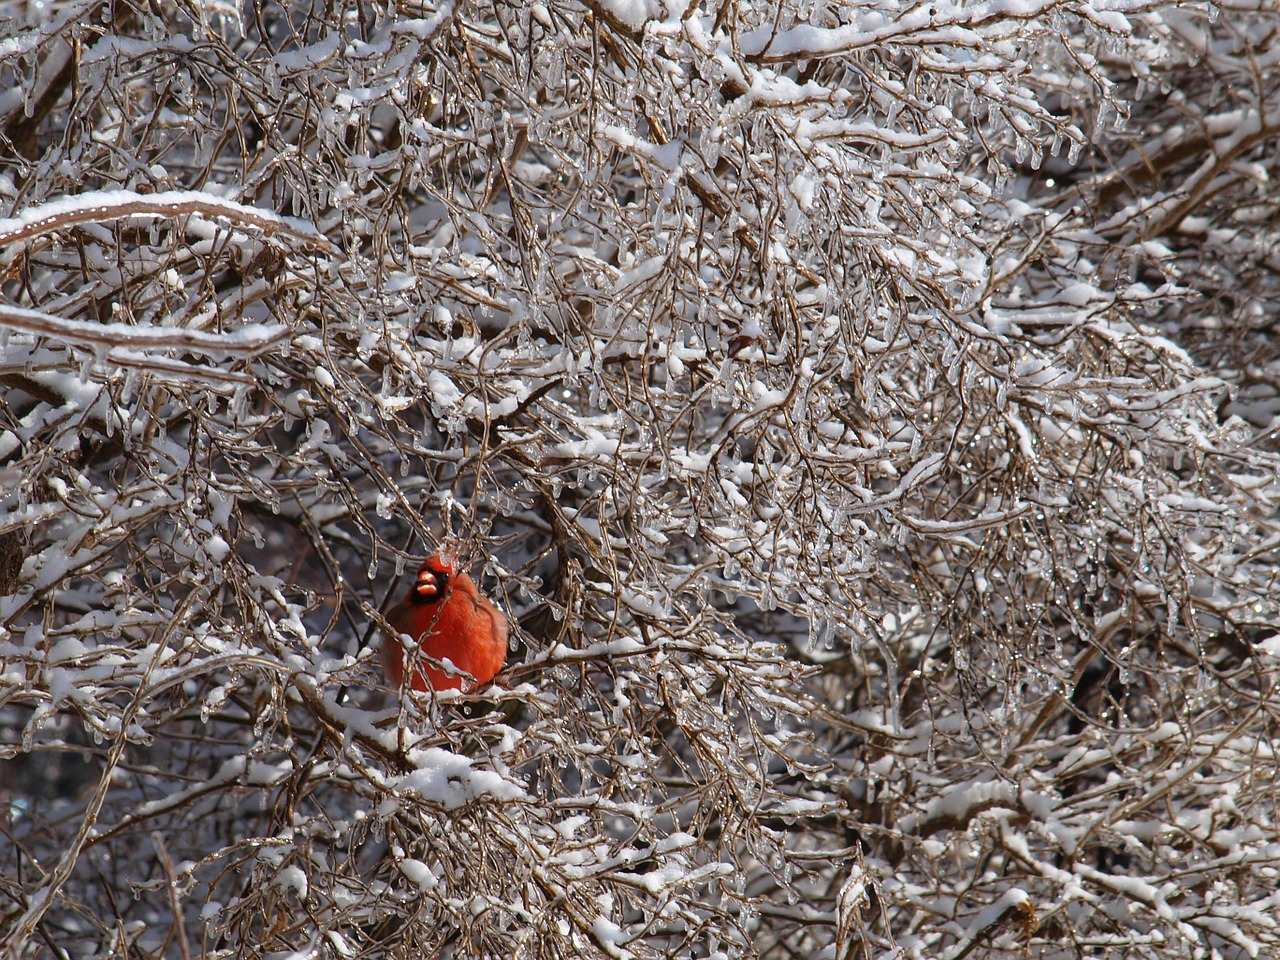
246, 341
104, 205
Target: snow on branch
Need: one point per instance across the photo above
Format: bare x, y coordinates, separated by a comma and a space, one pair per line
97, 206
247, 341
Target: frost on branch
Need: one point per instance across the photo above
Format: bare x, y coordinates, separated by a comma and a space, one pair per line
866, 413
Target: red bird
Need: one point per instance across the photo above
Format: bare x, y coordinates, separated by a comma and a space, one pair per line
451, 621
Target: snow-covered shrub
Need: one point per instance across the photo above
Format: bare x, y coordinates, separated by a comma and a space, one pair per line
866, 411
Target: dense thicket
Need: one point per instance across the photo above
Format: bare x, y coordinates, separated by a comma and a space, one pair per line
867, 412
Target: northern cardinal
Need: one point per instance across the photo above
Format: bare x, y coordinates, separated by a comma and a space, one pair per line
449, 618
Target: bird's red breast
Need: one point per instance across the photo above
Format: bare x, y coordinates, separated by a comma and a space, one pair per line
449, 618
